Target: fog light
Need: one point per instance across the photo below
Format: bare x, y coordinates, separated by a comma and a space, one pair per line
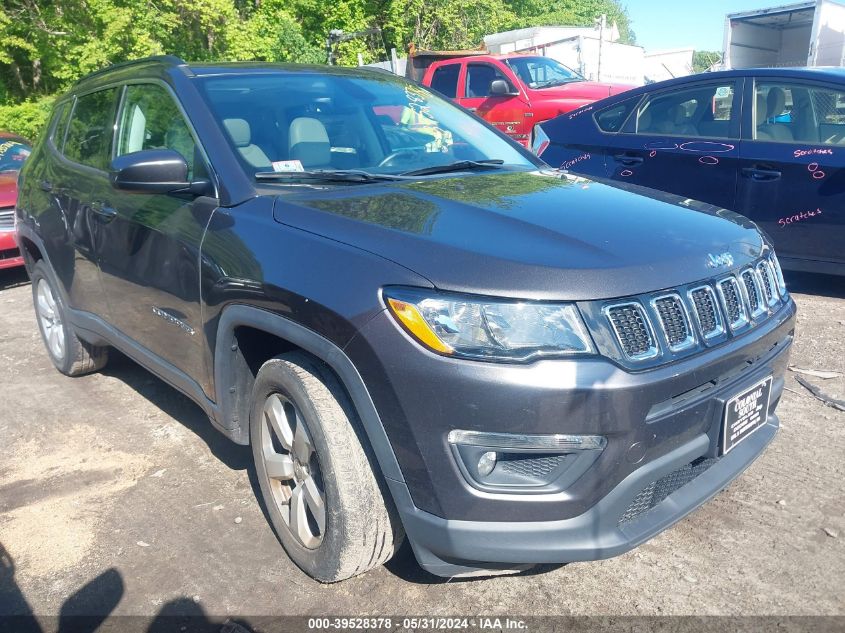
487, 463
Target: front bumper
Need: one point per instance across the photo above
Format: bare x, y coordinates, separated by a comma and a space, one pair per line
454, 548
10, 255
657, 422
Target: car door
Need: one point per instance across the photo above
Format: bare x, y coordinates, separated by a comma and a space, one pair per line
792, 164
150, 257
578, 141
74, 177
504, 112
444, 79
684, 140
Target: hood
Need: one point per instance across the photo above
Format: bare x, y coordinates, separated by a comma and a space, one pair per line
592, 90
530, 235
8, 188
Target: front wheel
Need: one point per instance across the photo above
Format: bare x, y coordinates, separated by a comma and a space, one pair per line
317, 477
71, 355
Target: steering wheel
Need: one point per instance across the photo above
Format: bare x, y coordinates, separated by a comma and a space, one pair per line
392, 159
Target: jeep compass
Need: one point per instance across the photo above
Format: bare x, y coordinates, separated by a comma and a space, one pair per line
420, 329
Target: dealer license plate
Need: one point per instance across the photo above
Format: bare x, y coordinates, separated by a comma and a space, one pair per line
745, 413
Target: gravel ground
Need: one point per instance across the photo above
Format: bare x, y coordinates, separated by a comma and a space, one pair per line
117, 484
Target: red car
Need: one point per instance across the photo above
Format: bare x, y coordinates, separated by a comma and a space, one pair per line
14, 150
515, 92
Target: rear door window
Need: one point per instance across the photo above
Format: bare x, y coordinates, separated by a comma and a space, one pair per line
445, 80
91, 129
798, 113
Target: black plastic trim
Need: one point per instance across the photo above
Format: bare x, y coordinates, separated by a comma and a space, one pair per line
238, 315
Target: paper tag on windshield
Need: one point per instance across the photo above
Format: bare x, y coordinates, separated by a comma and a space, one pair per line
287, 165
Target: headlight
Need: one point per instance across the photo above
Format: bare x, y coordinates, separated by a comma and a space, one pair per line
489, 329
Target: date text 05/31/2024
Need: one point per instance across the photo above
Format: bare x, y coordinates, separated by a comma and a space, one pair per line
417, 623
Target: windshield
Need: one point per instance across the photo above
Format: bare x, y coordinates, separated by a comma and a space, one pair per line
12, 155
542, 72
311, 121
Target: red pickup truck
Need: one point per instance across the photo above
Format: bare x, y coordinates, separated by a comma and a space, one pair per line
514, 92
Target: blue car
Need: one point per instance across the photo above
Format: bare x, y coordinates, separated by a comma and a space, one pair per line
767, 143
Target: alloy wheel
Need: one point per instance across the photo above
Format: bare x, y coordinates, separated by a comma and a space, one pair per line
293, 471
50, 320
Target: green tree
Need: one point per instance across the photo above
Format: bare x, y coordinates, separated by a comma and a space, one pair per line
702, 60
46, 45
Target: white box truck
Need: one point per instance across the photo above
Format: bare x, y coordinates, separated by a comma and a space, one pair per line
804, 34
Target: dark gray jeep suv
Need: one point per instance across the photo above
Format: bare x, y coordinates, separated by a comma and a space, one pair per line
419, 328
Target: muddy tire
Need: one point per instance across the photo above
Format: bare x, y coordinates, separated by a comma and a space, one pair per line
318, 478
71, 355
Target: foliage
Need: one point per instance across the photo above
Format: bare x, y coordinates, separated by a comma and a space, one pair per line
27, 118
702, 60
46, 45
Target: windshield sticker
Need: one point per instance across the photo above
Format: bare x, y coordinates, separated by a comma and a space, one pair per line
817, 173
287, 165
798, 217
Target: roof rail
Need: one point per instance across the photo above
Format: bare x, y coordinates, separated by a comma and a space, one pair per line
164, 59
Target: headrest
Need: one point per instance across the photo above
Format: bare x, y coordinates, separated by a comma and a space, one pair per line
760, 115
239, 131
776, 100
309, 142
677, 114
644, 122
307, 130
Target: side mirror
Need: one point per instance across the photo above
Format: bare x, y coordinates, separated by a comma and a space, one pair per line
153, 171
501, 88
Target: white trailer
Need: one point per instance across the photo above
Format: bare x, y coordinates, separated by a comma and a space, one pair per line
578, 48
804, 34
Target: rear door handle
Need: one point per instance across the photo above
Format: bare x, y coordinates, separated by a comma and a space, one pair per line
628, 159
761, 175
105, 212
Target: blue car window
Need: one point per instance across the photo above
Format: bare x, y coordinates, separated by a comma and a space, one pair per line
613, 118
798, 113
698, 111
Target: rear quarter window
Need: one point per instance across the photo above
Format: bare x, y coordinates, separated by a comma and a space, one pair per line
91, 129
613, 118
58, 126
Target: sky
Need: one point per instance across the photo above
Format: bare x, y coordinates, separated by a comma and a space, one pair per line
698, 24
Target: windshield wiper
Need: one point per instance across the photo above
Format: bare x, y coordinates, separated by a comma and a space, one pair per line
461, 165
327, 175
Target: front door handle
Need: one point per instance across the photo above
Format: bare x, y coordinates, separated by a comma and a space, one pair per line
761, 175
628, 160
45, 185
104, 211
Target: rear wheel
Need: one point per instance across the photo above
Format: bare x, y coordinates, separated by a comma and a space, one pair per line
317, 478
71, 355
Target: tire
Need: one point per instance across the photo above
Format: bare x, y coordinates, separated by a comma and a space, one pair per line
71, 355
296, 402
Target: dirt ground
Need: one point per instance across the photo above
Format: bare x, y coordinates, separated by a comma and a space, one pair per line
116, 484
